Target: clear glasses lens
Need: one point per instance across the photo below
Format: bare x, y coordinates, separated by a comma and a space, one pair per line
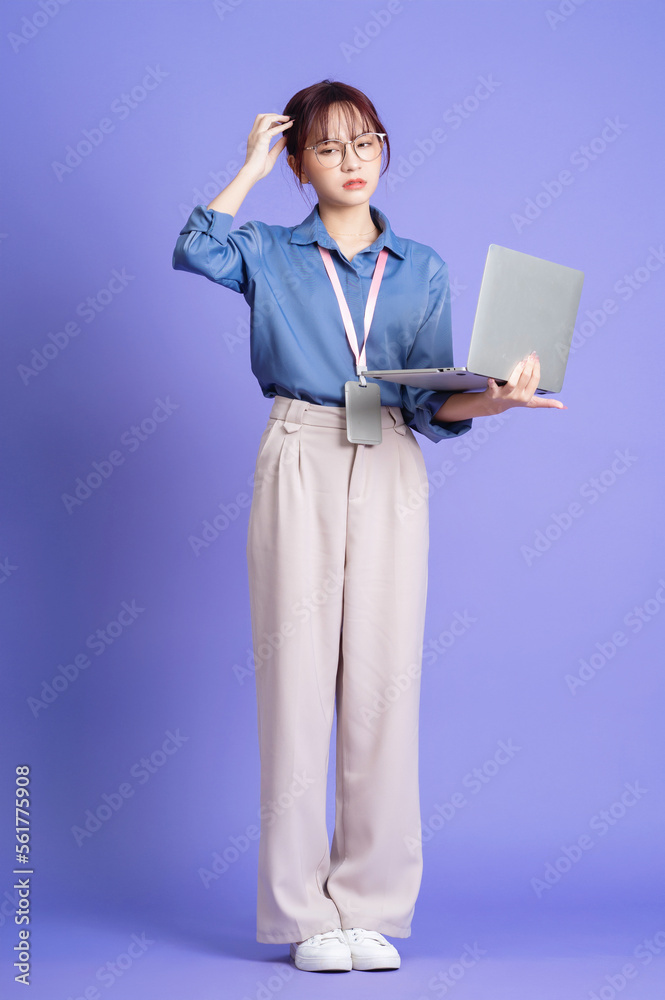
367, 147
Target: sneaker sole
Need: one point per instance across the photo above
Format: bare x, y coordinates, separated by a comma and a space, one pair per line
341, 964
375, 964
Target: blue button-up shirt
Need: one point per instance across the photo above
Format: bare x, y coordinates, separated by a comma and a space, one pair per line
298, 345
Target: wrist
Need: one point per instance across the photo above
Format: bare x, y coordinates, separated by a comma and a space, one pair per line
248, 175
491, 405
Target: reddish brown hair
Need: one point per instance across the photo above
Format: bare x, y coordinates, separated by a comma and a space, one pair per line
311, 109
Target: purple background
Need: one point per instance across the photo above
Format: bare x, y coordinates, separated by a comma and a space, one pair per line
558, 71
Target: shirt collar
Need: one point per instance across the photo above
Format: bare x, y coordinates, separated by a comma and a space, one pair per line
312, 230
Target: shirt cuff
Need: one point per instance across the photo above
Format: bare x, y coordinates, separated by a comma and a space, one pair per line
208, 221
433, 429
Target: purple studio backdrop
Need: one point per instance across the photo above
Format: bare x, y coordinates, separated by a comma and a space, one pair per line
132, 421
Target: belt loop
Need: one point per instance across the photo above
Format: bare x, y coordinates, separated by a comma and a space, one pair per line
294, 414
396, 412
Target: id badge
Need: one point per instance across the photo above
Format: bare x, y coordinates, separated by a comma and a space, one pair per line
363, 412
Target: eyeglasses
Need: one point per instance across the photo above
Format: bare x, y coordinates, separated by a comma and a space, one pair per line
331, 152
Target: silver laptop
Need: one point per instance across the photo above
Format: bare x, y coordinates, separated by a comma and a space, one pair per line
525, 304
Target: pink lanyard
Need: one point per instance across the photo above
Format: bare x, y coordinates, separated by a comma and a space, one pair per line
344, 308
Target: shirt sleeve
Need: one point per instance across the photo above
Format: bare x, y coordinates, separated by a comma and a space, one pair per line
432, 348
207, 245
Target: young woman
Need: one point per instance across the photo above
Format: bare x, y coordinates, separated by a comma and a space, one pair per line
337, 551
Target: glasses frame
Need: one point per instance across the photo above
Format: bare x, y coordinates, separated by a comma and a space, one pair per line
349, 142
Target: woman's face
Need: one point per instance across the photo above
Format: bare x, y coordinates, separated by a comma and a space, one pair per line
328, 182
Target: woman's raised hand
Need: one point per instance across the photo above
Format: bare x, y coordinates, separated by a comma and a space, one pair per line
260, 158
520, 388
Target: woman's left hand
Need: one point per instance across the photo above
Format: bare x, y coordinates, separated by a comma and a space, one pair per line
520, 388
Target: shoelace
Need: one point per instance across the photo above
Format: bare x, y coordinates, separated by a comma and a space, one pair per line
333, 934
358, 933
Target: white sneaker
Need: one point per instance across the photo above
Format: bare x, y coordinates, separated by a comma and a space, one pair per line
370, 950
325, 952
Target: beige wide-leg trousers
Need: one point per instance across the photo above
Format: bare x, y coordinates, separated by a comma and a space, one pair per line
337, 555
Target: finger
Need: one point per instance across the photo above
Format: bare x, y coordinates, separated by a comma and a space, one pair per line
515, 374
527, 372
534, 375
539, 401
277, 148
